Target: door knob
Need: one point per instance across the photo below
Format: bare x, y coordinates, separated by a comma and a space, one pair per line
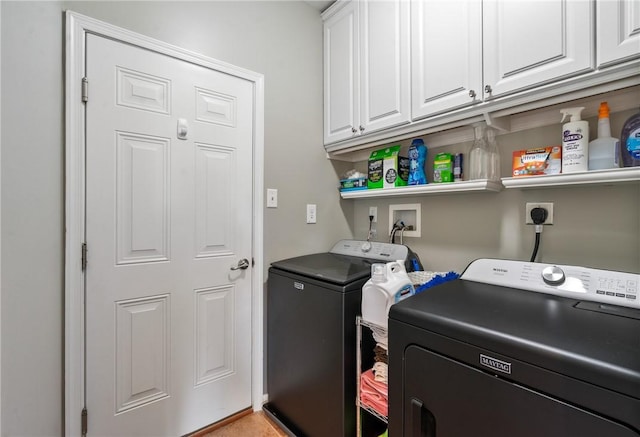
472, 94
487, 89
243, 264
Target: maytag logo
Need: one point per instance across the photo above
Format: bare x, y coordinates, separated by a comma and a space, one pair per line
495, 364
498, 270
298, 285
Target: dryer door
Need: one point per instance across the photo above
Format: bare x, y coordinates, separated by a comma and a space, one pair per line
446, 398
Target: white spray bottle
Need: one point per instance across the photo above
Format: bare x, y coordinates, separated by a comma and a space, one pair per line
575, 141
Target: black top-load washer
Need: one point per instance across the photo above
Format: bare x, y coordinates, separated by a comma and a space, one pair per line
517, 349
312, 304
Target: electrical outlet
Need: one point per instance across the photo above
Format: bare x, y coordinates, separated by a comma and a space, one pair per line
373, 211
546, 205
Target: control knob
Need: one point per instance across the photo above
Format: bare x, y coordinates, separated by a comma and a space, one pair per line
553, 275
366, 246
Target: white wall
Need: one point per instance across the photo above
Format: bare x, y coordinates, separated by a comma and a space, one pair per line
282, 40
594, 226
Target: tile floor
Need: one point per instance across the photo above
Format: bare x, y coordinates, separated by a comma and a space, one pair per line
251, 425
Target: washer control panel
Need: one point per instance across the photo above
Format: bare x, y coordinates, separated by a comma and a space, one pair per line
617, 288
371, 249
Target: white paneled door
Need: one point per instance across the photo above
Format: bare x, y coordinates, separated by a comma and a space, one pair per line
168, 215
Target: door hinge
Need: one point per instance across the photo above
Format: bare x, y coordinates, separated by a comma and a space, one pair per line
85, 89
253, 262
84, 256
84, 422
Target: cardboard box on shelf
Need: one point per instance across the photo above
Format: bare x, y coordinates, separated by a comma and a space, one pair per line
387, 169
538, 161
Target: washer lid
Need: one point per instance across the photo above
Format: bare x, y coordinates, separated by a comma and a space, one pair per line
330, 267
596, 345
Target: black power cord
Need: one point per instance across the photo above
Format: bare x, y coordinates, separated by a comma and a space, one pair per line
539, 216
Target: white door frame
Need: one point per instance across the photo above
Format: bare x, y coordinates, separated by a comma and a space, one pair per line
77, 26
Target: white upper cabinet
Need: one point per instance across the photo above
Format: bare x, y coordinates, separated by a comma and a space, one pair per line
395, 69
446, 55
366, 68
384, 64
341, 82
618, 23
529, 43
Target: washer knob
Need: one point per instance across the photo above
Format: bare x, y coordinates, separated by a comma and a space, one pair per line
553, 275
366, 246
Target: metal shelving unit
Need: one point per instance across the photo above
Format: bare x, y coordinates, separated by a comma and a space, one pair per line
360, 322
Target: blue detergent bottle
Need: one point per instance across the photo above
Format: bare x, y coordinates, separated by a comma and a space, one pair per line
417, 159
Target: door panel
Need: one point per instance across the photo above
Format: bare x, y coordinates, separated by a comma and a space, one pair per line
341, 74
518, 54
618, 31
448, 398
384, 64
142, 198
446, 61
168, 212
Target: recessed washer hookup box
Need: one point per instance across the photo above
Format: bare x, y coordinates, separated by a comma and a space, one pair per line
387, 169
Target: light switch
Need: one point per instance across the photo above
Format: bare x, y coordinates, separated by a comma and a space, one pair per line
272, 198
311, 213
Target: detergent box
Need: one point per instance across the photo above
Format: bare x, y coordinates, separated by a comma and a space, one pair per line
540, 161
387, 168
443, 167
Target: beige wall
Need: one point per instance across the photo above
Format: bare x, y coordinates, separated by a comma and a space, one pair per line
282, 40
594, 226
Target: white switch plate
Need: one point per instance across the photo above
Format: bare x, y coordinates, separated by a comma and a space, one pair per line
272, 198
311, 213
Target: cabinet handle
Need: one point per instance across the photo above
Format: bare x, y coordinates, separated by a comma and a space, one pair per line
353, 130
487, 89
472, 94
361, 129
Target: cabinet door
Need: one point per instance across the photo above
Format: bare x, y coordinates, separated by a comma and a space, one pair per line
446, 55
384, 64
529, 43
341, 89
618, 30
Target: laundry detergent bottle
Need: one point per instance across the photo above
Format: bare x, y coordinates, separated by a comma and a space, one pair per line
417, 157
630, 141
575, 141
389, 283
604, 150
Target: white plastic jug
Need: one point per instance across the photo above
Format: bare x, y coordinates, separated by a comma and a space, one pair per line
389, 284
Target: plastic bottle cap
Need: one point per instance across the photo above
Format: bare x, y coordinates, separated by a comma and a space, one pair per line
417, 142
378, 273
603, 112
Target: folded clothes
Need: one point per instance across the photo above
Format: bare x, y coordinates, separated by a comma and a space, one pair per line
380, 354
381, 337
373, 394
380, 372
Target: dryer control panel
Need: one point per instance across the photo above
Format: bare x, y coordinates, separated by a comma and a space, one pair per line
616, 288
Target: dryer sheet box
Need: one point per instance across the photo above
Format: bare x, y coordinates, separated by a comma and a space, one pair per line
387, 169
539, 161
